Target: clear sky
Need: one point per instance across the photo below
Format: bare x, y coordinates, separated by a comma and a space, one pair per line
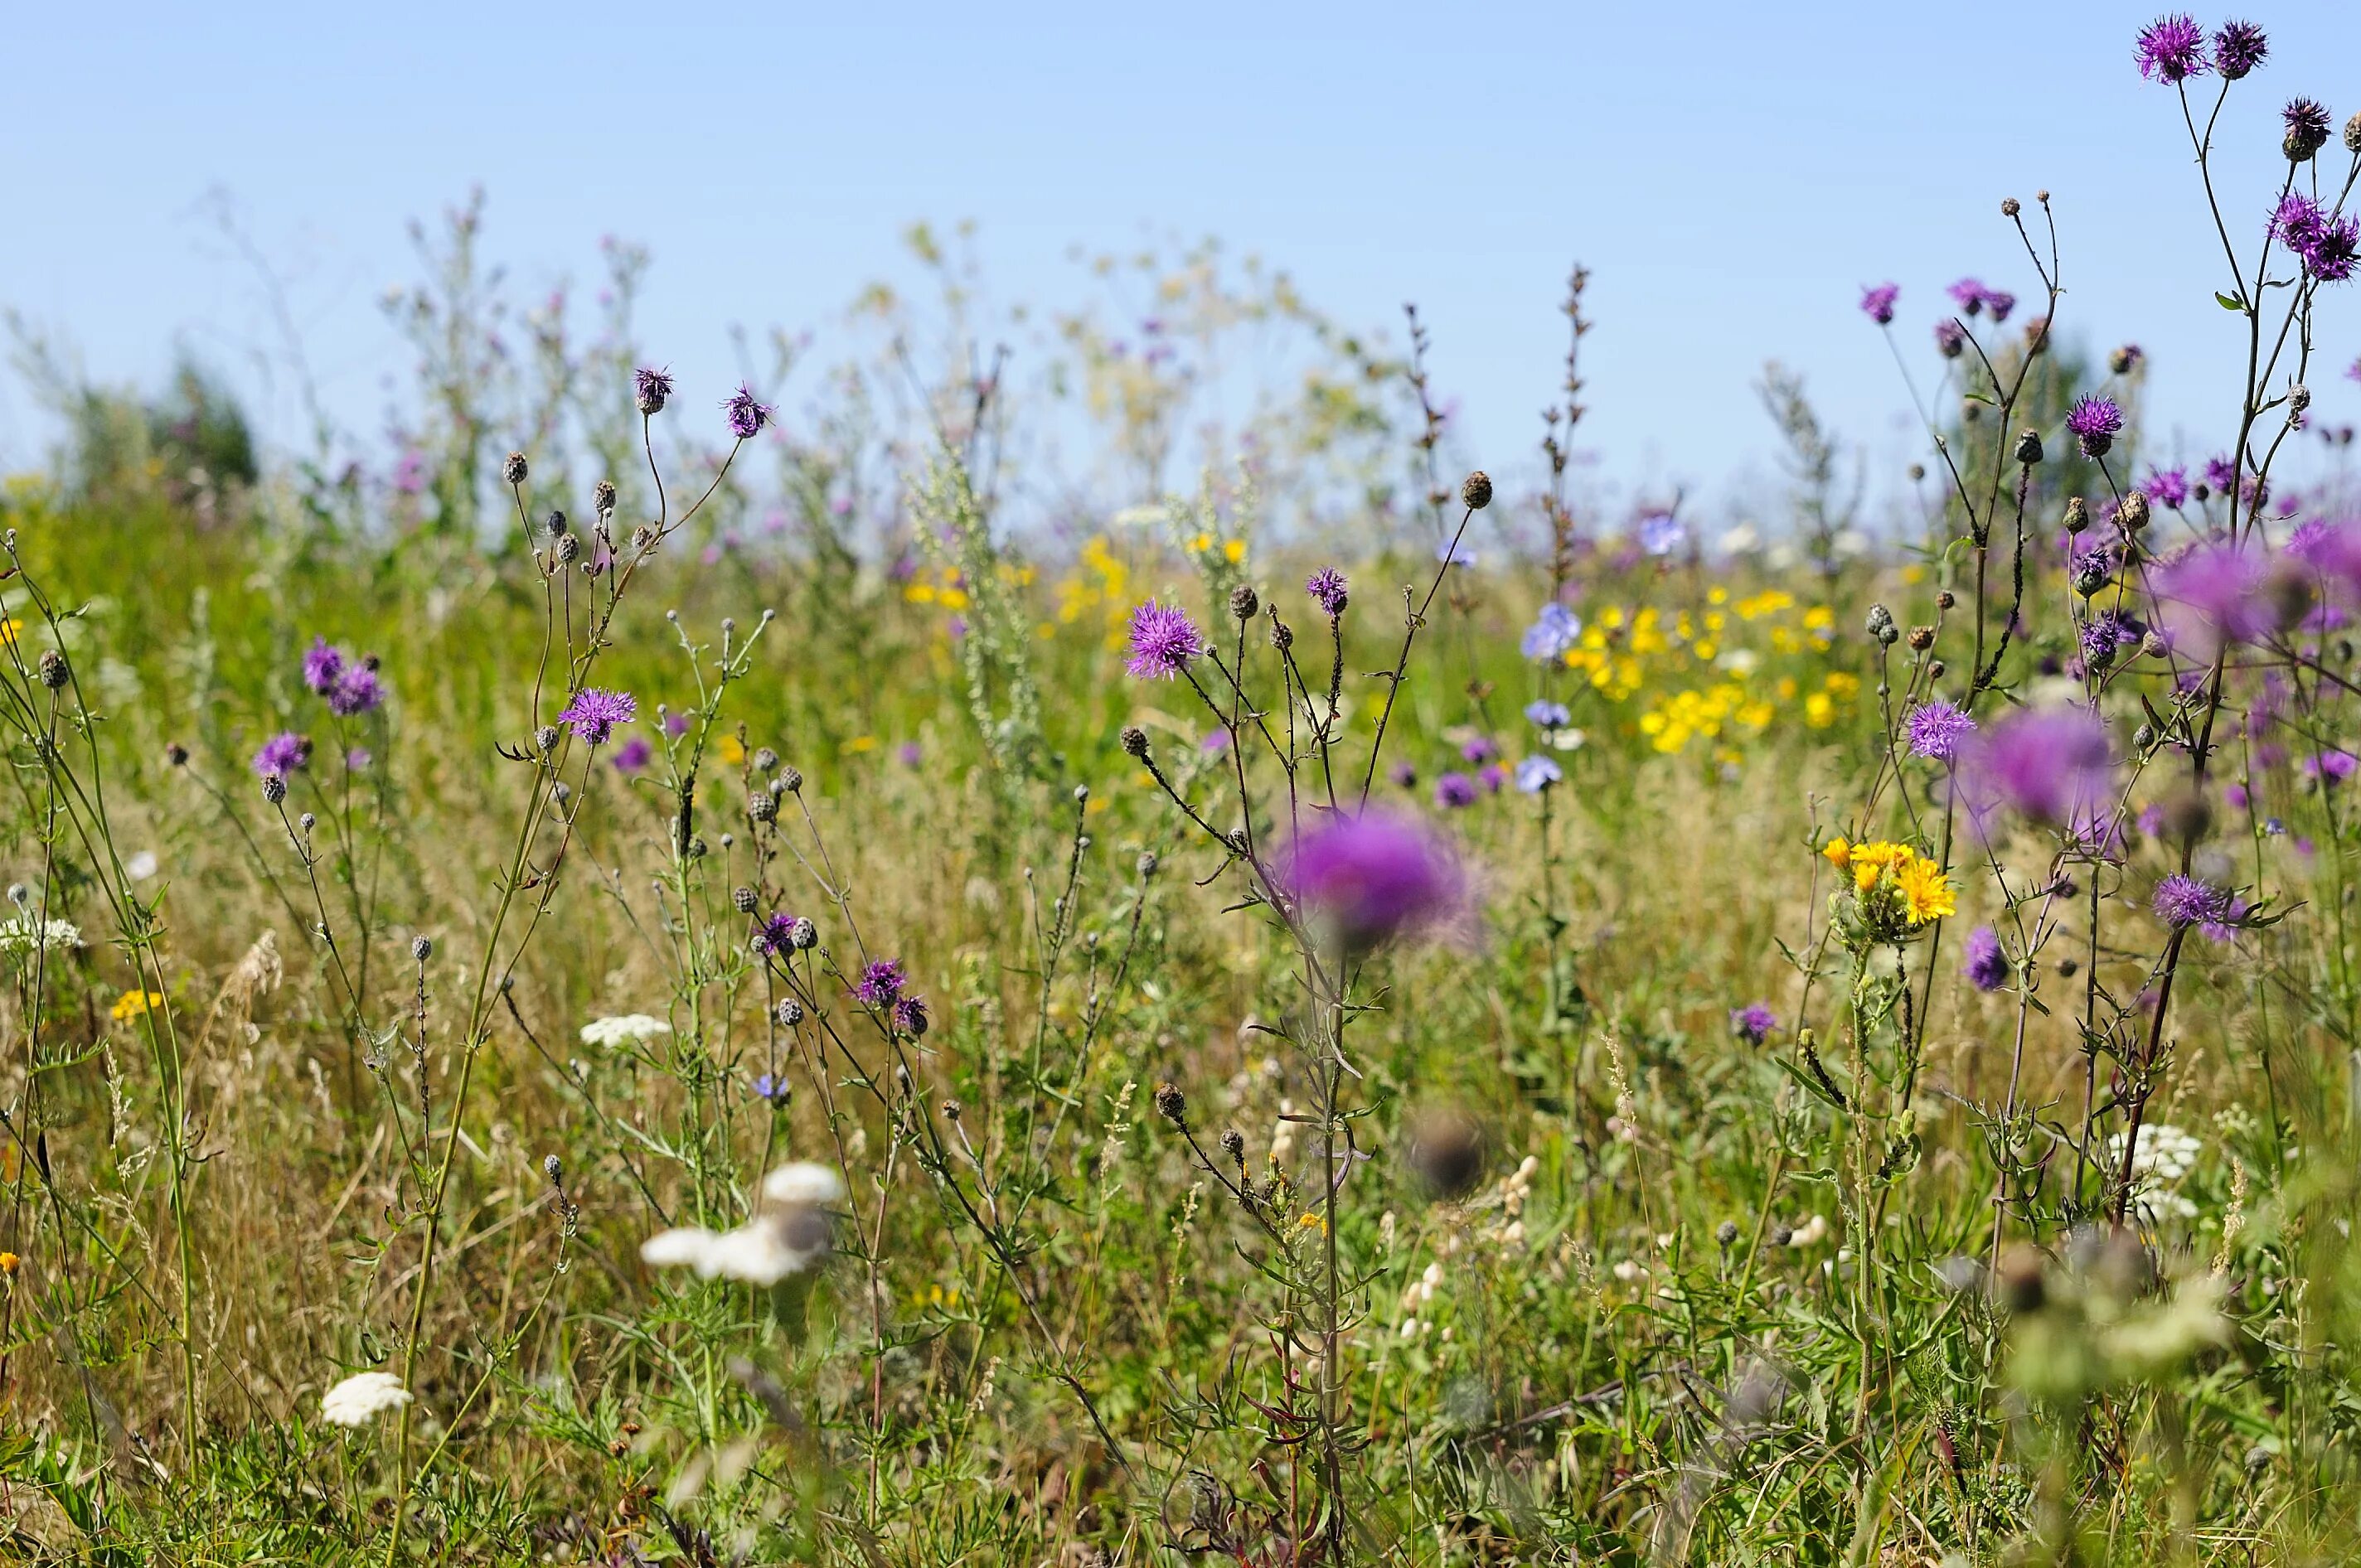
1733, 173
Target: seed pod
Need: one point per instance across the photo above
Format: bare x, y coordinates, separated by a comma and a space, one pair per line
513, 470
1477, 491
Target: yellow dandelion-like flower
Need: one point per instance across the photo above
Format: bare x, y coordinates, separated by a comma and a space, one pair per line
135, 1004
1838, 852
1926, 894
732, 752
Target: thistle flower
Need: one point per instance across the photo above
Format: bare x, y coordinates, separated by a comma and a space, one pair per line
322, 665
1986, 966
910, 1015
746, 415
651, 390
2239, 49
1950, 337
633, 755
1553, 634
2104, 637
775, 936
283, 754
1163, 642
356, 690
881, 983
2052, 765
2170, 50
2168, 487
1752, 1023
1877, 302
1371, 877
1326, 588
594, 713
1936, 728
362, 1397
1535, 774
1968, 293
1453, 791
2183, 901
2307, 124
2096, 423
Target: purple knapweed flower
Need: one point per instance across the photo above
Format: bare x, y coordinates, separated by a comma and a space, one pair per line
1877, 302
1163, 641
2052, 765
1968, 293
910, 753
2170, 50
2168, 488
594, 713
2239, 49
283, 753
1404, 775
1216, 742
881, 983
1936, 728
633, 754
357, 690
2096, 423
1950, 337
358, 759
2183, 901
322, 665
1752, 1023
775, 935
1453, 791
1479, 748
1553, 635
2332, 256
1535, 774
2216, 593
909, 1016
2104, 636
651, 390
746, 415
1547, 715
1987, 966
2329, 768
1998, 303
2307, 124
675, 724
1492, 776
1326, 588
1371, 877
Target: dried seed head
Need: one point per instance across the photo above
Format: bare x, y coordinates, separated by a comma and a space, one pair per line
602, 496
789, 1012
1171, 1104
274, 788
1476, 491
556, 524
743, 899
1134, 741
1921, 639
1245, 601
2028, 447
1233, 1144
765, 761
53, 669
2008, 207
422, 948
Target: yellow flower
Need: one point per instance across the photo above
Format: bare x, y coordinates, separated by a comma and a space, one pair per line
731, 752
1234, 551
1312, 1222
1838, 851
9, 1261
860, 744
134, 1003
1926, 894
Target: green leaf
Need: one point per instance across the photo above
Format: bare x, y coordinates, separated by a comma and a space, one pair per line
2227, 304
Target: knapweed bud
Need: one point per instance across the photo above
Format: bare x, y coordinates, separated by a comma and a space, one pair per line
1946, 599
422, 948
792, 781
765, 761
649, 391
2028, 447
2307, 128
2008, 207
1171, 1104
789, 1012
1147, 863
307, 822
763, 805
176, 755
274, 788
1725, 1233
602, 496
1233, 1144
1881, 626
2078, 515
2353, 134
568, 549
556, 524
513, 470
1282, 636
802, 935
2153, 644
1245, 601
2125, 359
1921, 639
1477, 491
1935, 669
52, 668
1134, 741
2299, 397
2132, 511
743, 899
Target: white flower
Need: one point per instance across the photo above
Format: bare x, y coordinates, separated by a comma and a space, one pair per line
2162, 1158
681, 1248
1813, 1231
803, 1185
362, 1397
758, 1252
25, 932
630, 1029
140, 866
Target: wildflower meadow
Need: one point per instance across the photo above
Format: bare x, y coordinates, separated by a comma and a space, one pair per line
649, 972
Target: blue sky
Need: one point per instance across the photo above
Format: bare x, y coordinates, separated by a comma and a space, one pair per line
1732, 174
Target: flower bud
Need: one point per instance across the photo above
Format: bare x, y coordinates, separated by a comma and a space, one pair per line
1478, 490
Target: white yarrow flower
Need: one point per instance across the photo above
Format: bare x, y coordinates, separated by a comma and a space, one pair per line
362, 1397
630, 1029
2164, 1155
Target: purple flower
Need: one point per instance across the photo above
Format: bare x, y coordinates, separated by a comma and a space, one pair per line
1326, 588
1492, 776
910, 1015
649, 389
1999, 302
2096, 423
2239, 49
2103, 635
1553, 635
1371, 877
1968, 293
2215, 593
2170, 50
881, 983
633, 754
1163, 641
2307, 127
910, 753
676, 725
1535, 774
358, 759
1478, 750
1936, 728
2297, 222
770, 1088
2183, 901
1662, 533
747, 417
2331, 257
1752, 1023
776, 934
1950, 337
594, 713
356, 691
283, 753
2052, 765
1453, 791
2329, 768
1546, 715
1403, 775
1877, 302
322, 665
2168, 487
1987, 967
1216, 742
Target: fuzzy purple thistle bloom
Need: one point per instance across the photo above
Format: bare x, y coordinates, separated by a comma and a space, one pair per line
1752, 1023
2096, 423
357, 690
2307, 121
1492, 776
1986, 967
2183, 901
1163, 641
775, 935
2170, 50
651, 390
633, 755
1936, 728
2052, 765
283, 754
1950, 337
1877, 302
1478, 750
594, 713
881, 983
1403, 775
1968, 293
2105, 635
1326, 588
1372, 877
910, 1015
2297, 222
1453, 791
747, 416
322, 665
2332, 256
2168, 487
2239, 49
1998, 303
2215, 593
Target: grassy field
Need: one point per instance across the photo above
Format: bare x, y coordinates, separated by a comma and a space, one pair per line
1352, 1016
